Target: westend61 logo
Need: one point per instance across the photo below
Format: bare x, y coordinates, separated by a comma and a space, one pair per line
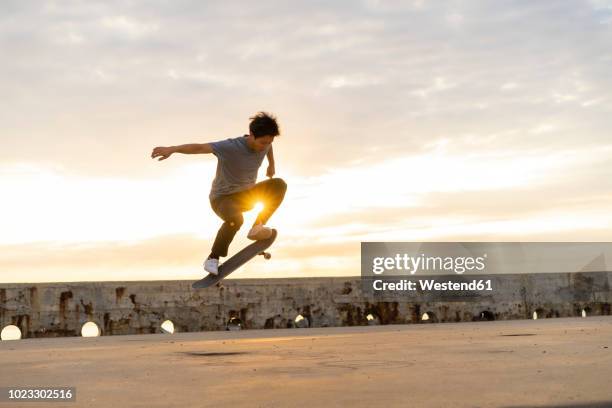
414, 264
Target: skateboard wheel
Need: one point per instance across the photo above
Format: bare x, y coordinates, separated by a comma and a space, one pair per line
267, 255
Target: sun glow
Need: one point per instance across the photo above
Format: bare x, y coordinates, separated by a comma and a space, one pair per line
62, 221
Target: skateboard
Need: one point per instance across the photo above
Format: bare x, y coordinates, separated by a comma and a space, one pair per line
243, 256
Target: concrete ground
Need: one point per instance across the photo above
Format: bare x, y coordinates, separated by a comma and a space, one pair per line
545, 363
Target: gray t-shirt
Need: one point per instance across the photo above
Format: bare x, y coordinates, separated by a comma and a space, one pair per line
237, 166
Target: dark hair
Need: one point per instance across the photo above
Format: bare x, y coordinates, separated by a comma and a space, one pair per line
263, 124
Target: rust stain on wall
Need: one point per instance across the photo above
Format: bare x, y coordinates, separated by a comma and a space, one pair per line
63, 300
119, 293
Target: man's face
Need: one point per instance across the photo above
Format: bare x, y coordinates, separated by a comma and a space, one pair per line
261, 143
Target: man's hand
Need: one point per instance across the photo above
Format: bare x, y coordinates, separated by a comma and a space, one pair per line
270, 171
162, 152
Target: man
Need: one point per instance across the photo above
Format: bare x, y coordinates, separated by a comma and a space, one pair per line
234, 189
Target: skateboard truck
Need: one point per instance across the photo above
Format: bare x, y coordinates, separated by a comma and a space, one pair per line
266, 256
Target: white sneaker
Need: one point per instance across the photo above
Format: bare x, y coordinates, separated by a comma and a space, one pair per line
259, 232
211, 266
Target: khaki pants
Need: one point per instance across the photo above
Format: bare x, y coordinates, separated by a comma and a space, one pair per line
230, 208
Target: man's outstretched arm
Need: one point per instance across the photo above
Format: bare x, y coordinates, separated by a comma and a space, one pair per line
192, 148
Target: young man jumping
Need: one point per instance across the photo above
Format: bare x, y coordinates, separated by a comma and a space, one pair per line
234, 189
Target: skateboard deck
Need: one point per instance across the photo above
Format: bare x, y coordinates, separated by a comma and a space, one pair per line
243, 256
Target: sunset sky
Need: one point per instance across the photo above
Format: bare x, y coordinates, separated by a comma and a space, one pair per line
400, 121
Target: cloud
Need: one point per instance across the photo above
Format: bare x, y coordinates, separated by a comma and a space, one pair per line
177, 256
128, 27
351, 81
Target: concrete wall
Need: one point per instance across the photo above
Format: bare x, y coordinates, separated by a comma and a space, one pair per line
60, 309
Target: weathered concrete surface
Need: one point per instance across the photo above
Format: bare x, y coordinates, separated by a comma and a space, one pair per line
528, 363
60, 309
